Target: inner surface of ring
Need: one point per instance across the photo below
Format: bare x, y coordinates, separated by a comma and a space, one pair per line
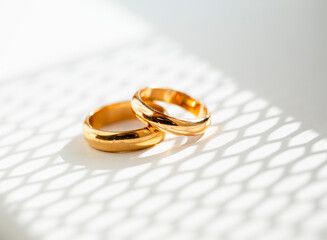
110, 114
167, 95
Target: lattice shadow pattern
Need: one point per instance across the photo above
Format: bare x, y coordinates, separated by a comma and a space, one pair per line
256, 174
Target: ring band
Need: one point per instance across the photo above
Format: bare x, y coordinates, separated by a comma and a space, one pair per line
119, 141
165, 122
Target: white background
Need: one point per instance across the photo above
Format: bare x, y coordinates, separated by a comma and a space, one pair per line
258, 173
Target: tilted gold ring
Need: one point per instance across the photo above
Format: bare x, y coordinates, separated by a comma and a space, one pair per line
119, 141
168, 123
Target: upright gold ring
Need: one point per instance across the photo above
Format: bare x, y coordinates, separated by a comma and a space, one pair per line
119, 141
164, 122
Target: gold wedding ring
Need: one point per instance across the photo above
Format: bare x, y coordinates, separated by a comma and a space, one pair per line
164, 122
119, 141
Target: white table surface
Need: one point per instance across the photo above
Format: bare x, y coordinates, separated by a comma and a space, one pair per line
259, 172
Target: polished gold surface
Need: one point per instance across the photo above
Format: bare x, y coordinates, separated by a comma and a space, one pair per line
167, 123
119, 141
